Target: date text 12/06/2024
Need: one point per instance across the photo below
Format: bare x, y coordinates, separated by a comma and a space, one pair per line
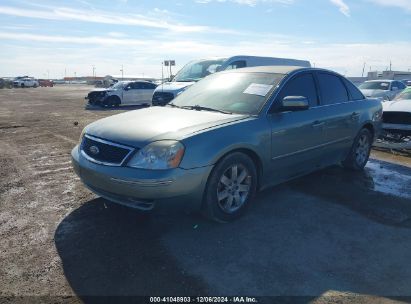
199, 299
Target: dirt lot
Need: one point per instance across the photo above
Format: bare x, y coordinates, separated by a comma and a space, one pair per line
331, 236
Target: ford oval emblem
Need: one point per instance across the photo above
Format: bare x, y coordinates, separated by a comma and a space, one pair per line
94, 150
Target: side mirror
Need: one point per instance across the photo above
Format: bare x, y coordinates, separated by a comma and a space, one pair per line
126, 88
394, 88
294, 103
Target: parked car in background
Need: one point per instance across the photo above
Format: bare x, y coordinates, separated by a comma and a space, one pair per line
46, 83
123, 93
26, 82
408, 83
229, 135
397, 114
383, 89
198, 69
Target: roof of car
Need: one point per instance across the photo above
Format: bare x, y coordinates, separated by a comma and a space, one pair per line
269, 69
380, 80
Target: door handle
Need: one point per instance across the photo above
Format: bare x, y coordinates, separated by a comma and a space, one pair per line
355, 115
317, 124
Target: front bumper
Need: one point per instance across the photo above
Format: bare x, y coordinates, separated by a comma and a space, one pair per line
96, 100
140, 188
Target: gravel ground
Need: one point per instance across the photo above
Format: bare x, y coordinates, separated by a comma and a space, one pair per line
330, 237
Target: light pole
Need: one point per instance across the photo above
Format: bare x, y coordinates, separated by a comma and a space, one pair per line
122, 72
94, 72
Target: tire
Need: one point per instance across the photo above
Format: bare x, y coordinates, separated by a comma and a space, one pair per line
235, 193
22, 85
359, 152
112, 101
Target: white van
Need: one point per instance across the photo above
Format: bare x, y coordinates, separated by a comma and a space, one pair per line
198, 69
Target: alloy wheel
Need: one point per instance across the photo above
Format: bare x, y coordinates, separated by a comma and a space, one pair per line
362, 149
233, 188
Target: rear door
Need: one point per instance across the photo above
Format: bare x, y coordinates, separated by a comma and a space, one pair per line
148, 90
296, 137
341, 113
128, 94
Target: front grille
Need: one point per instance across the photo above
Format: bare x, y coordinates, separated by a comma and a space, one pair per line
103, 151
162, 98
403, 118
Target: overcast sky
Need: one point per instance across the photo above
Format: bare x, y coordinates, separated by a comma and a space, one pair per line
59, 37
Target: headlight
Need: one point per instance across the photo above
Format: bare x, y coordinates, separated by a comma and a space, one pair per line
81, 136
377, 116
159, 155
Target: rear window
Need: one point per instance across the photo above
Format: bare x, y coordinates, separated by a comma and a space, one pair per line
375, 85
332, 89
355, 93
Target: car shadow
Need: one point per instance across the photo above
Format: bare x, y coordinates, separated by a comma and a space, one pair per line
112, 250
381, 192
303, 238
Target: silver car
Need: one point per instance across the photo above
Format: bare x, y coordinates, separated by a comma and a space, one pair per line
382, 89
228, 136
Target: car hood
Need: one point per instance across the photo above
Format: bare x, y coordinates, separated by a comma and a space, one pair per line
374, 93
174, 86
403, 105
140, 127
99, 90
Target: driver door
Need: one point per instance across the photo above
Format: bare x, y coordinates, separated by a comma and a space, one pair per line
297, 137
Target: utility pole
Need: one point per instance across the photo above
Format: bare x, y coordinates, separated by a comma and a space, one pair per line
162, 76
363, 68
122, 72
390, 66
94, 72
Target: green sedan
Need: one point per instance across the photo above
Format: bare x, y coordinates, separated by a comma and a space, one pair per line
227, 137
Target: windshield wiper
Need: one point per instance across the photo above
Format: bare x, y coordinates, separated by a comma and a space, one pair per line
173, 105
201, 108
187, 80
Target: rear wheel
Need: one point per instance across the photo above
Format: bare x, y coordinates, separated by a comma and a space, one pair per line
360, 151
230, 188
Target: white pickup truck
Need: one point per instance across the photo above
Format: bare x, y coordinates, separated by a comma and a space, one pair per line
198, 69
25, 82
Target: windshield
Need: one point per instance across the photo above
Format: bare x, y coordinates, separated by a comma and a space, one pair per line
196, 70
404, 95
239, 92
375, 85
118, 85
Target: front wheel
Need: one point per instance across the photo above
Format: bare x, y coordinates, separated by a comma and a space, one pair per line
230, 188
112, 101
360, 151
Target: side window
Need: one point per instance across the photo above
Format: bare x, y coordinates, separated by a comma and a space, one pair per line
403, 86
137, 86
301, 85
353, 90
237, 65
332, 89
394, 84
148, 86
